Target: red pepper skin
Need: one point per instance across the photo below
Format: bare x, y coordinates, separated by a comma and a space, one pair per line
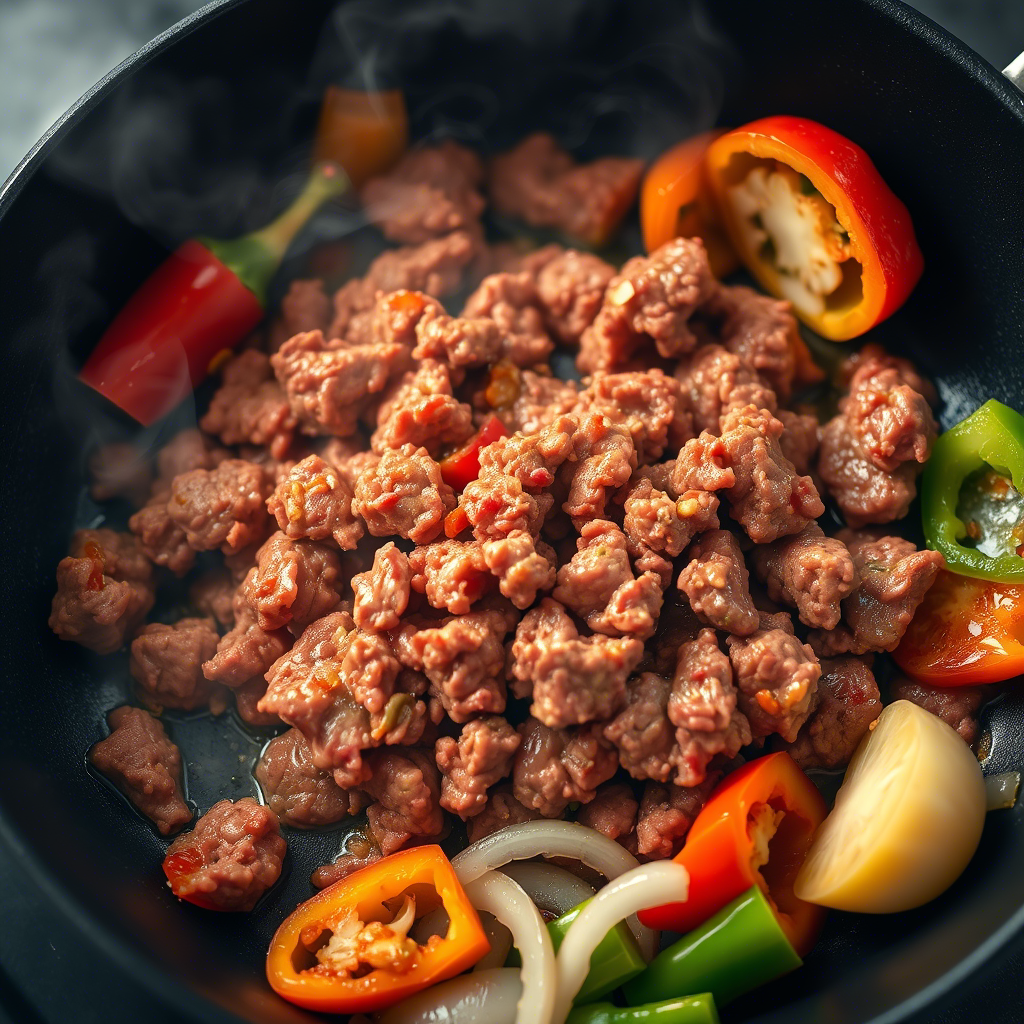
719, 851
463, 467
179, 868
163, 341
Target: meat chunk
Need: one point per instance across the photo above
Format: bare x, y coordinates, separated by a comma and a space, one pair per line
810, 572
554, 768
430, 192
957, 706
382, 592
250, 406
642, 732
653, 520
522, 569
703, 464
164, 542
605, 460
188, 449
213, 596
496, 504
613, 813
247, 650
305, 307
539, 400
777, 678
717, 584
848, 702
799, 439
895, 577
299, 793
463, 341
314, 502
666, 814
714, 382
247, 699
540, 183
360, 851
167, 663
651, 299
406, 789
511, 303
452, 573
145, 765
119, 470
469, 766
239, 851
502, 809
860, 367
570, 288
104, 590
572, 679
532, 458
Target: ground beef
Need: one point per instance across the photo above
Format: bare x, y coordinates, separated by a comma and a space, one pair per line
247, 699
296, 582
502, 809
360, 851
452, 573
895, 577
120, 470
957, 706
382, 592
810, 572
104, 590
403, 495
540, 183
213, 595
657, 522
250, 407
651, 299
305, 307
872, 360
604, 460
538, 401
666, 814
848, 702
799, 439
717, 583
188, 449
406, 789
532, 458
314, 502
522, 570
239, 849
777, 678
430, 192
511, 303
495, 504
145, 765
572, 679
167, 663
164, 542
613, 813
570, 288
642, 733
554, 768
703, 464
469, 766
463, 341
714, 382
299, 793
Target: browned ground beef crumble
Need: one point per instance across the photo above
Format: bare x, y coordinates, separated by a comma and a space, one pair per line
620, 565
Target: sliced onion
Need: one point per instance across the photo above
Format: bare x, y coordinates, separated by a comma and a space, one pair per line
499, 895
489, 996
663, 881
554, 839
552, 888
1001, 790
500, 939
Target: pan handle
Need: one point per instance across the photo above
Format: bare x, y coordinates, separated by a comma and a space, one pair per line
1014, 71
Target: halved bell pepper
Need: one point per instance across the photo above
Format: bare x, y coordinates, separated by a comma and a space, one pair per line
741, 947
990, 439
346, 951
755, 830
463, 466
698, 1009
811, 218
364, 132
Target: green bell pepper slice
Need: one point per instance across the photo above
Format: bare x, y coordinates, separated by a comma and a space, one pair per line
992, 436
616, 960
688, 1010
739, 948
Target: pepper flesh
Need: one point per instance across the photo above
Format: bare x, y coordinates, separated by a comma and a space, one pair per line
739, 948
699, 1009
755, 830
315, 986
364, 132
463, 466
992, 436
875, 248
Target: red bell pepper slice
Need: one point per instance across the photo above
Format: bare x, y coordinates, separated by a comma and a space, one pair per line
353, 913
463, 466
865, 232
755, 829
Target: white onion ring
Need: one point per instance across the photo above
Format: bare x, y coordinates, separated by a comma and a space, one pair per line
552, 888
500, 939
555, 839
499, 895
663, 881
489, 996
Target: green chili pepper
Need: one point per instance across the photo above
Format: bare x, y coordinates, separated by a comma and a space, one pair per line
616, 960
739, 948
688, 1010
991, 437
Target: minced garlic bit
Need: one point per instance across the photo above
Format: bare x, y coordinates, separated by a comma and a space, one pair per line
762, 824
354, 945
793, 227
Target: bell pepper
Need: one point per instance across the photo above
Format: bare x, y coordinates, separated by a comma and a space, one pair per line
741, 947
990, 439
755, 830
676, 200
364, 132
197, 305
965, 632
813, 221
333, 954
463, 466
616, 959
688, 1010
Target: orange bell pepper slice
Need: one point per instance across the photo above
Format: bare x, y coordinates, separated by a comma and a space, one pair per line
881, 261
365, 132
755, 829
676, 201
400, 967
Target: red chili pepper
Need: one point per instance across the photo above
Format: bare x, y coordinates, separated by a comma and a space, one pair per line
463, 466
197, 304
812, 219
755, 829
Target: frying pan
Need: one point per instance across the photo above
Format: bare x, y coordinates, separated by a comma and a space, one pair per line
191, 135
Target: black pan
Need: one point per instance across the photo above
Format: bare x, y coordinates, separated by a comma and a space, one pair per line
192, 135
